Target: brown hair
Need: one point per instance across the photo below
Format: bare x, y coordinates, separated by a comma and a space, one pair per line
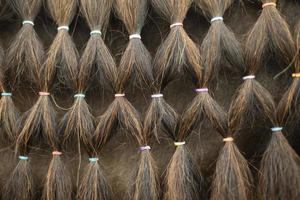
177, 53
269, 35
26, 52
280, 174
220, 45
136, 62
62, 56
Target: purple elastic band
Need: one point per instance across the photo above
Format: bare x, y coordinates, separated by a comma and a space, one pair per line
145, 148
200, 90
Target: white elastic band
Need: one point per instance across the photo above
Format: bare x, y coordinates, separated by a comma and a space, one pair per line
228, 139
28, 22
135, 36
156, 96
276, 129
96, 32
119, 95
179, 143
249, 77
176, 24
219, 18
63, 28
79, 95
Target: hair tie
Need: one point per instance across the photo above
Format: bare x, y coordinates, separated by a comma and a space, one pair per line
145, 148
135, 36
93, 159
56, 153
44, 93
177, 144
228, 139
248, 77
268, 4
6, 94
276, 129
119, 95
28, 22
23, 157
176, 24
218, 18
63, 28
153, 96
296, 75
96, 32
201, 90
79, 95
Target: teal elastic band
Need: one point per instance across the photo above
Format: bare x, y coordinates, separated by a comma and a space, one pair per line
23, 157
93, 159
7, 94
80, 95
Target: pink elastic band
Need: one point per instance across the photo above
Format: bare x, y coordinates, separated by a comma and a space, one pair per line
268, 4
44, 93
200, 90
145, 148
56, 153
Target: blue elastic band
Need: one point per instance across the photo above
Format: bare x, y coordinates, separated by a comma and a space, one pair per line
7, 94
23, 157
79, 95
93, 159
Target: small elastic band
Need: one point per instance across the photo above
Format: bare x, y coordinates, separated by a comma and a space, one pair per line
79, 95
56, 153
6, 94
44, 93
296, 75
219, 18
23, 157
268, 4
153, 96
96, 32
248, 77
135, 36
276, 129
63, 28
200, 90
179, 143
93, 159
28, 22
176, 24
228, 139
119, 95
145, 148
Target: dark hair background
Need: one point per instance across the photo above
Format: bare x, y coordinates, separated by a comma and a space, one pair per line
120, 155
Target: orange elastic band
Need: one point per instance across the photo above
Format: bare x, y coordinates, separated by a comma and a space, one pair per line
268, 4
44, 93
296, 75
56, 153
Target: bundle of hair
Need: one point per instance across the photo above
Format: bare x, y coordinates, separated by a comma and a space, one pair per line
220, 46
62, 56
136, 62
280, 170
177, 53
26, 53
269, 36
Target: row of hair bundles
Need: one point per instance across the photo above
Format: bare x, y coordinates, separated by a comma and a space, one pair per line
270, 35
232, 179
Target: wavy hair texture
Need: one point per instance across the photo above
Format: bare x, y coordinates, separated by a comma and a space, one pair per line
25, 54
220, 48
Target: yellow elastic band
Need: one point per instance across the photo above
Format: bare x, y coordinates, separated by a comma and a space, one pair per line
179, 143
296, 75
228, 139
